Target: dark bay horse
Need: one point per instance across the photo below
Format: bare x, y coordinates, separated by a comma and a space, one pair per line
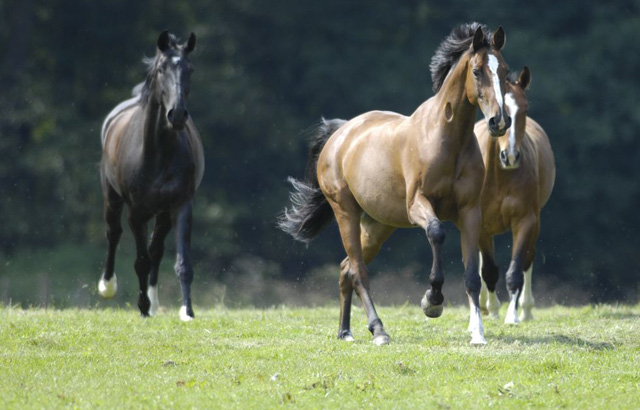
519, 176
381, 171
153, 161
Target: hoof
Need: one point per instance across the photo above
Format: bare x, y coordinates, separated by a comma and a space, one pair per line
429, 310
152, 293
108, 288
184, 316
525, 316
478, 340
381, 339
346, 336
511, 319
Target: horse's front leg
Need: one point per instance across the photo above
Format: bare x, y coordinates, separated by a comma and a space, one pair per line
113, 204
489, 273
525, 233
469, 223
156, 250
142, 265
183, 267
421, 213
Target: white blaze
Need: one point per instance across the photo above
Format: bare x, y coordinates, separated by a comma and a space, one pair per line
513, 109
175, 59
493, 66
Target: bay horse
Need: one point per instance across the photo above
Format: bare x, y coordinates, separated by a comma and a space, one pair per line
519, 176
381, 171
153, 161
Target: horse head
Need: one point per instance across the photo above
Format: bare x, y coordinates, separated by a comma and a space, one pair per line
517, 107
486, 80
173, 77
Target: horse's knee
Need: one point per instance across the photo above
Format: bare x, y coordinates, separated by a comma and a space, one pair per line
473, 283
184, 271
514, 279
435, 232
490, 274
142, 265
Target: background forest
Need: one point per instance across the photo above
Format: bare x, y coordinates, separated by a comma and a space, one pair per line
265, 72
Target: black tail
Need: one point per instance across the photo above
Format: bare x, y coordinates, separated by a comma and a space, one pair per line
310, 212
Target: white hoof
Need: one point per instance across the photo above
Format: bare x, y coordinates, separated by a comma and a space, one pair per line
184, 316
108, 288
478, 340
381, 340
152, 293
349, 339
525, 315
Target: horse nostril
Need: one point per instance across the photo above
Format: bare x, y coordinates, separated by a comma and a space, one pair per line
170, 115
492, 122
503, 156
186, 115
507, 122
517, 156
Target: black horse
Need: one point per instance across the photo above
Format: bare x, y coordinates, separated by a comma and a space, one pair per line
152, 160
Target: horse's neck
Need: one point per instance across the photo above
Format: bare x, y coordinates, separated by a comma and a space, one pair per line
451, 108
159, 139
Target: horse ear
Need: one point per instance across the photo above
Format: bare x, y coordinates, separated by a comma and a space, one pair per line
163, 41
499, 38
525, 78
191, 43
478, 39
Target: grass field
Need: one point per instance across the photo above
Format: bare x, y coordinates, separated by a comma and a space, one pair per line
585, 357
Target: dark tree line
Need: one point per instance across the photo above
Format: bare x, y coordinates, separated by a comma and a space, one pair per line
265, 71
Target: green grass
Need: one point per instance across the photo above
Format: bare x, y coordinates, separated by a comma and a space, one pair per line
586, 357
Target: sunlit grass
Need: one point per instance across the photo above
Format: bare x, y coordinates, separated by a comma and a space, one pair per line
585, 357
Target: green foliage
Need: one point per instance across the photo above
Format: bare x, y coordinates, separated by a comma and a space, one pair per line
569, 358
266, 71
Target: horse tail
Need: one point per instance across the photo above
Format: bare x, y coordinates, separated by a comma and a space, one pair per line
310, 211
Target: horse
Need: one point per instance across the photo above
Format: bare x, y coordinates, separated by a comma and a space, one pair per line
381, 171
519, 177
153, 161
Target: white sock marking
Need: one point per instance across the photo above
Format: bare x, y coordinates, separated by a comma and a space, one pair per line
526, 299
108, 288
475, 327
152, 293
512, 313
184, 316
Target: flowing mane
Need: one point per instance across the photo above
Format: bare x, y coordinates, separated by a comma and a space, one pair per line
451, 48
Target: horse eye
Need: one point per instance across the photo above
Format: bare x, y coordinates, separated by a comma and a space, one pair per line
476, 72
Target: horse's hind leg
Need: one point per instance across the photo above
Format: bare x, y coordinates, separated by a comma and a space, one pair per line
142, 265
156, 250
348, 214
113, 204
525, 234
183, 266
372, 235
489, 273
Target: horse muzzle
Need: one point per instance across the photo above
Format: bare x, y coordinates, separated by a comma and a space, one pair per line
497, 127
178, 117
509, 160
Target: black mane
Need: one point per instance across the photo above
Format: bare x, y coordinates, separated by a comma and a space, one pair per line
152, 64
451, 48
